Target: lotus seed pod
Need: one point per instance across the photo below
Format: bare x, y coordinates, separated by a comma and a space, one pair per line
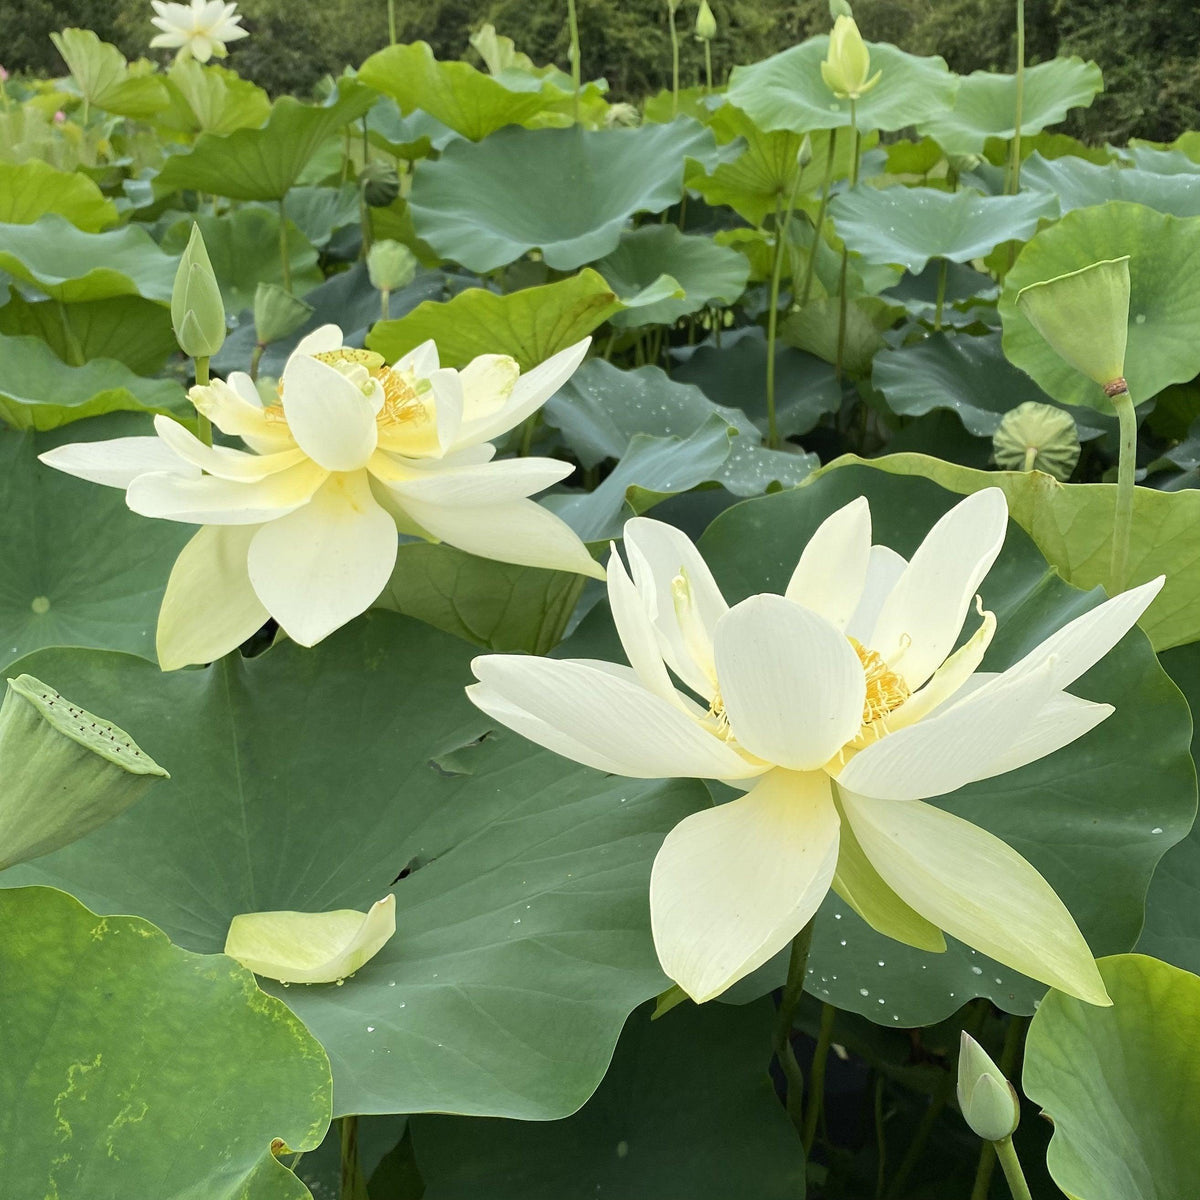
1084, 316
197, 311
988, 1101
706, 23
1037, 437
848, 62
63, 771
380, 184
277, 313
391, 265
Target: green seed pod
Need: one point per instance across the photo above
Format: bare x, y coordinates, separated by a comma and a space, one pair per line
988, 1101
1037, 437
391, 265
63, 772
197, 312
277, 313
380, 184
706, 23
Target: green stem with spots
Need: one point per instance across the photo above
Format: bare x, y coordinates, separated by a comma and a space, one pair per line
707, 67
1007, 1154
391, 22
793, 989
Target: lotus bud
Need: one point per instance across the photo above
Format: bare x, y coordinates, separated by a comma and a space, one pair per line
706, 23
840, 8
391, 265
1037, 437
197, 311
621, 116
380, 184
306, 947
277, 313
63, 771
988, 1101
963, 164
1084, 316
804, 154
848, 62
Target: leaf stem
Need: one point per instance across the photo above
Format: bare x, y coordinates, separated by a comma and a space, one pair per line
674, 57
351, 1172
1007, 1154
203, 424
391, 22
943, 273
843, 299
285, 261
816, 1090
806, 290
1015, 162
707, 68
782, 229
573, 23
1126, 469
793, 989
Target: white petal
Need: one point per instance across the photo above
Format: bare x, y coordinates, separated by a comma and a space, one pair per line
447, 406
922, 617
517, 531
209, 607
1061, 721
884, 568
657, 554
617, 725
119, 461
792, 684
322, 340
489, 483
952, 747
212, 501
832, 571
235, 408
976, 888
732, 885
321, 566
331, 419
637, 635
220, 460
422, 360
487, 384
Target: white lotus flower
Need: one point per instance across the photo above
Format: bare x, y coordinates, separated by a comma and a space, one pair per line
302, 525
841, 706
197, 30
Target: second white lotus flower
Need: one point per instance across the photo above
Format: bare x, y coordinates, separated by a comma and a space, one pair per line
198, 30
839, 707
302, 525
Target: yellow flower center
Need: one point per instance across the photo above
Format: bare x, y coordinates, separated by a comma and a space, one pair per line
885, 689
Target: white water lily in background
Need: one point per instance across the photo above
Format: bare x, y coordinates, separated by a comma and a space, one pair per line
842, 706
302, 526
198, 30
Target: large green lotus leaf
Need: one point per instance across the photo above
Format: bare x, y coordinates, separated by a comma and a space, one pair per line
131, 330
243, 247
707, 273
909, 226
1075, 183
786, 91
967, 375
986, 105
31, 189
1164, 302
263, 164
321, 211
412, 136
499, 606
1122, 1084
79, 568
1161, 160
39, 391
733, 372
104, 78
687, 1109
129, 1067
530, 325
1084, 816
468, 101
568, 192
212, 99
1072, 526
70, 265
315, 779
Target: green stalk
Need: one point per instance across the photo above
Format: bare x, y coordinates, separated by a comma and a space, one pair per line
573, 23
707, 67
351, 1172
880, 1138
816, 1091
285, 261
255, 359
1007, 1154
782, 226
1015, 164
916, 1146
674, 58
203, 424
392, 22
385, 304
1127, 466
75, 355
1007, 1065
793, 989
844, 300
806, 290
941, 293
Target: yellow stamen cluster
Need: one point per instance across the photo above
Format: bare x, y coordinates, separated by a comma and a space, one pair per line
885, 689
401, 398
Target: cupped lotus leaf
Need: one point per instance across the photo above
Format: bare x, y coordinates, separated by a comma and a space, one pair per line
686, 1109
263, 164
1075, 183
967, 375
39, 391
986, 104
320, 212
79, 568
817, 329
104, 78
64, 771
1082, 816
31, 189
909, 226
1122, 1084
1072, 527
705, 272
523, 936
1037, 437
529, 325
207, 98
412, 136
1164, 303
786, 91
70, 265
566, 192
107, 1027
1160, 159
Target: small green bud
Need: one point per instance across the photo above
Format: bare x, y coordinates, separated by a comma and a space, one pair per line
197, 311
840, 8
848, 62
1084, 315
380, 183
988, 1101
277, 313
963, 164
391, 265
804, 154
1037, 437
63, 772
706, 23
